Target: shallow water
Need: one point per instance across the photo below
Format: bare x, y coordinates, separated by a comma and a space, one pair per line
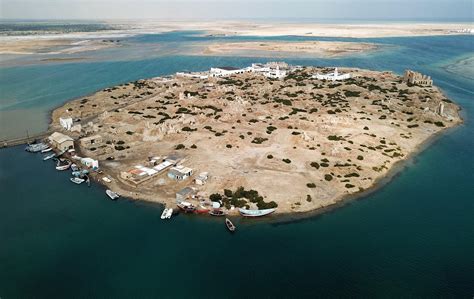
412, 238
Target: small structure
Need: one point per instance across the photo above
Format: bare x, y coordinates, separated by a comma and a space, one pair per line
61, 142
185, 194
180, 173
90, 141
274, 70
335, 76
91, 163
66, 123
202, 178
415, 78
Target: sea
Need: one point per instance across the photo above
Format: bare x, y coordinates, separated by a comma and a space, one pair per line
411, 238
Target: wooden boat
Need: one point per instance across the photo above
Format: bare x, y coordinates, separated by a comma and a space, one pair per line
230, 225
112, 194
63, 164
216, 212
202, 210
186, 207
46, 150
50, 156
77, 180
36, 147
256, 213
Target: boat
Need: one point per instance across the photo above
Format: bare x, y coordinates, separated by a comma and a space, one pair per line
216, 212
36, 147
186, 207
112, 194
255, 213
46, 150
50, 156
74, 167
165, 213
63, 164
202, 210
169, 213
77, 180
230, 225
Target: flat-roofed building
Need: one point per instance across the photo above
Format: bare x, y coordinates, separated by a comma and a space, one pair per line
61, 142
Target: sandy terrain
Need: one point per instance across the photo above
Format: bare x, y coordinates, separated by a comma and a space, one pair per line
300, 142
317, 48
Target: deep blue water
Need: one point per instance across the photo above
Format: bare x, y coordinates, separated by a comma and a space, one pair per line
412, 238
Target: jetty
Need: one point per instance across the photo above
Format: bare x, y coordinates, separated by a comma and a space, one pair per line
23, 140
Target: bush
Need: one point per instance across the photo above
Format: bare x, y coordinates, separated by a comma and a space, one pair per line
308, 198
328, 177
315, 165
180, 146
259, 140
188, 129
439, 124
228, 145
311, 185
366, 128
193, 146
228, 192
360, 157
287, 161
270, 157
215, 197
349, 186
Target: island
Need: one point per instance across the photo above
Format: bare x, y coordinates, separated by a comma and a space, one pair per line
273, 135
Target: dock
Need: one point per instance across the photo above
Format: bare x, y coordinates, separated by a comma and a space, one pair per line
23, 140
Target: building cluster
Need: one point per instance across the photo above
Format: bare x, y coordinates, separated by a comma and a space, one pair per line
415, 78
334, 76
64, 143
274, 70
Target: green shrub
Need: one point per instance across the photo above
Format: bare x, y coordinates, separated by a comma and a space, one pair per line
179, 146
287, 161
311, 185
328, 177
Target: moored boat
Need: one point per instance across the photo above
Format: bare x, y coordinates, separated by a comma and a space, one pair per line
47, 157
164, 214
256, 213
36, 147
230, 225
63, 164
216, 212
74, 167
169, 213
186, 207
112, 194
46, 150
77, 180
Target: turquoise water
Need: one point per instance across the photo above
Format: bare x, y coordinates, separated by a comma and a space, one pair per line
412, 238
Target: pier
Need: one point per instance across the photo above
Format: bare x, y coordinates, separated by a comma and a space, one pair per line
23, 140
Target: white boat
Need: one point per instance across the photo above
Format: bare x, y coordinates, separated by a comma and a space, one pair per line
163, 215
106, 179
112, 194
77, 180
169, 213
36, 147
46, 150
256, 213
50, 156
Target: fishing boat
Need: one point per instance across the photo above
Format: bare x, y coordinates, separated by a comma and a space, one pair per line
202, 210
50, 156
77, 180
112, 194
36, 147
256, 213
46, 150
216, 212
186, 207
169, 213
63, 164
230, 225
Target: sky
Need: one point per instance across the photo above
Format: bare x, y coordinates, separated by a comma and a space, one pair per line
442, 10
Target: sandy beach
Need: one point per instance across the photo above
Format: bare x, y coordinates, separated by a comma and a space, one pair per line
317, 48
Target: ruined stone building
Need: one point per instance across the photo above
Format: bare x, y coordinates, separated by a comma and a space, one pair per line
416, 78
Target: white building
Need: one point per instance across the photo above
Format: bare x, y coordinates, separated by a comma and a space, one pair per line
66, 123
225, 71
192, 75
274, 70
336, 76
180, 173
91, 163
61, 142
